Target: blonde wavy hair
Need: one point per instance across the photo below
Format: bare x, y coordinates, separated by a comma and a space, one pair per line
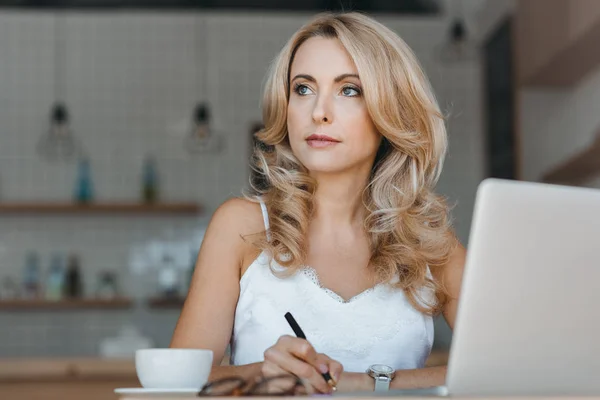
407, 223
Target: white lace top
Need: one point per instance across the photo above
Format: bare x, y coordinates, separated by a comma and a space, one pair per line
378, 326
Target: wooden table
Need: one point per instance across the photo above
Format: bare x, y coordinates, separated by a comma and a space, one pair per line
65, 378
84, 378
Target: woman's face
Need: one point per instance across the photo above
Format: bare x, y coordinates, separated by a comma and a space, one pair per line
329, 127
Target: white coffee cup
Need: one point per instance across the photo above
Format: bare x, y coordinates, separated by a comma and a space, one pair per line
173, 368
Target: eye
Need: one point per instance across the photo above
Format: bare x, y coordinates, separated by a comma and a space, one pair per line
350, 91
302, 90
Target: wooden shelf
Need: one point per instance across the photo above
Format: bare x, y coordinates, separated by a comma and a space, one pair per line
81, 304
578, 168
99, 208
165, 302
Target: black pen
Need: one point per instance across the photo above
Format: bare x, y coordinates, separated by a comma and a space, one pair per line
298, 331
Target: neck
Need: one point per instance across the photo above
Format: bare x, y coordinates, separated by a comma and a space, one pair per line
338, 200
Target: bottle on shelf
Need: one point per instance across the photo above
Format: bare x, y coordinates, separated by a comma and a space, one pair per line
56, 279
73, 286
31, 276
106, 287
150, 180
84, 188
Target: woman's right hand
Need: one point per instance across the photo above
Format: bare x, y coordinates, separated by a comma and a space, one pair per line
291, 355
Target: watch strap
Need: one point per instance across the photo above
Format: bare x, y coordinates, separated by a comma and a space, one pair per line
382, 384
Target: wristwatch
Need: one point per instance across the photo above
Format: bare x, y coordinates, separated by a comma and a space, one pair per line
383, 375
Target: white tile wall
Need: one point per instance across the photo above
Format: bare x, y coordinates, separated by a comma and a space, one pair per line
132, 80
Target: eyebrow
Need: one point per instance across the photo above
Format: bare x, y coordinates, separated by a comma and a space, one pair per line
337, 79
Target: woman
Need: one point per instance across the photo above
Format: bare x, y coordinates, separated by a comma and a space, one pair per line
346, 234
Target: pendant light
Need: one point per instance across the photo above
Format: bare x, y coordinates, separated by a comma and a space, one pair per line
58, 142
458, 46
202, 136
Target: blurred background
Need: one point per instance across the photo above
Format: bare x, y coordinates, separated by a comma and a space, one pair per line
125, 123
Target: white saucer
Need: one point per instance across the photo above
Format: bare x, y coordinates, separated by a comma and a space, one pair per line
143, 392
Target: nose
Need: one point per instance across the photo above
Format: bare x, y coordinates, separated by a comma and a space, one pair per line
322, 112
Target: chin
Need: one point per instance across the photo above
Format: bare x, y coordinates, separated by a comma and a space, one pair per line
325, 166
325, 170
330, 162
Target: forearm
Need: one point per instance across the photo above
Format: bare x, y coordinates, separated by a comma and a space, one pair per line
245, 371
404, 379
419, 378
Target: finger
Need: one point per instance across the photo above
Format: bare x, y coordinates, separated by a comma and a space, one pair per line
326, 364
335, 370
269, 371
300, 368
301, 349
321, 363
288, 362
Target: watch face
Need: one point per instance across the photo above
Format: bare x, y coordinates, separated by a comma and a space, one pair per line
381, 369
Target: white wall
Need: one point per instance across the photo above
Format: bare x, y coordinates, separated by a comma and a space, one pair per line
557, 124
132, 82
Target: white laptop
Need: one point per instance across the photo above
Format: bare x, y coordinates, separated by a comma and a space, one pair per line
529, 314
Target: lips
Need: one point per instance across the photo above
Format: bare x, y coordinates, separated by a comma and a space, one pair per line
322, 138
321, 141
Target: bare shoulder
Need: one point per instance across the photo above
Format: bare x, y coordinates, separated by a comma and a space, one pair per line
455, 264
239, 216
242, 213
450, 275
